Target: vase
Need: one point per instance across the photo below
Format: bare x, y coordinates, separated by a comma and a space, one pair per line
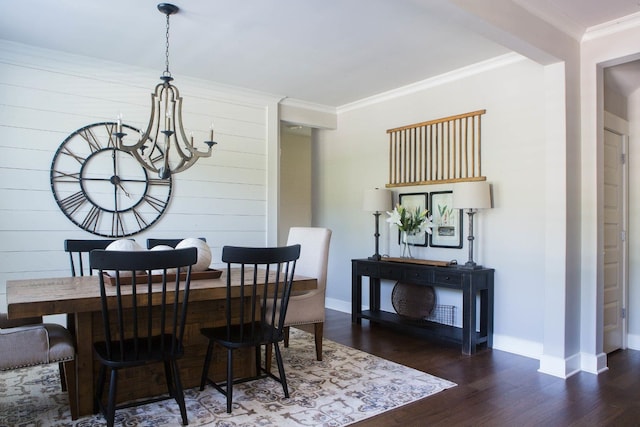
406, 247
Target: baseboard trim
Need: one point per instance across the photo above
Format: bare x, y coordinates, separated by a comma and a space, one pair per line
550, 365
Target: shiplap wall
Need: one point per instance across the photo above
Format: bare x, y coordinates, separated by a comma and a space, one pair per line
46, 95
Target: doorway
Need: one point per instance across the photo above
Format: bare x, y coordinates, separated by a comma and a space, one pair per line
295, 179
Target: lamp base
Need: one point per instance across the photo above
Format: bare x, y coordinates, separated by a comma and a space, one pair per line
375, 257
470, 265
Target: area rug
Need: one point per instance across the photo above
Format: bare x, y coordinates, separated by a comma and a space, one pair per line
347, 386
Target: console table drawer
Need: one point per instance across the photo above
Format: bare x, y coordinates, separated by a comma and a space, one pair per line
419, 275
391, 272
447, 278
370, 270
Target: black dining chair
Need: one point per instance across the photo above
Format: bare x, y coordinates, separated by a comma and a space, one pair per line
78, 251
144, 322
151, 243
247, 323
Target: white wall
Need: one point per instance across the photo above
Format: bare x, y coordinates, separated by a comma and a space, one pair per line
48, 95
510, 236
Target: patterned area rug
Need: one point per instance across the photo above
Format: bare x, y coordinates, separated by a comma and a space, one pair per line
347, 386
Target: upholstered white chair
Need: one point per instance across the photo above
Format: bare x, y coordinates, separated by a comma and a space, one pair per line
308, 307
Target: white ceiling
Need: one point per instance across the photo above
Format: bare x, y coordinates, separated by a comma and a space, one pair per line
332, 52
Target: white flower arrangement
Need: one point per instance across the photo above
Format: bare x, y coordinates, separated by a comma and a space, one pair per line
410, 221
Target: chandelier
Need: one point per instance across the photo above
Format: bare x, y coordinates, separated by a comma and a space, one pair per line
164, 147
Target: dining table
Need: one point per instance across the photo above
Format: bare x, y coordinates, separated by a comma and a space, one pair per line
80, 297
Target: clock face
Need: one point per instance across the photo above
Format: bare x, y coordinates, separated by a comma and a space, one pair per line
102, 189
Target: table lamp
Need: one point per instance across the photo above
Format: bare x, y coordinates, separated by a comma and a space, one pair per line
377, 200
472, 195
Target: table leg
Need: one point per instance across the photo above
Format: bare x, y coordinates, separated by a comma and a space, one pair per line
84, 362
374, 294
468, 320
489, 313
356, 297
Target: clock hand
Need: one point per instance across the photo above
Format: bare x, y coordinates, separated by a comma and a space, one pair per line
123, 190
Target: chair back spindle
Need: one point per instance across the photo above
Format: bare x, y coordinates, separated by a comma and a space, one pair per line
78, 251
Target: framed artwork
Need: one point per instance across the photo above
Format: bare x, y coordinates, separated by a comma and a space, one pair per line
447, 221
412, 201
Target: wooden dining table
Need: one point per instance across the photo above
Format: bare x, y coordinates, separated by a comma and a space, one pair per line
80, 296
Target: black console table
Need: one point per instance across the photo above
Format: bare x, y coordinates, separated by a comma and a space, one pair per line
470, 281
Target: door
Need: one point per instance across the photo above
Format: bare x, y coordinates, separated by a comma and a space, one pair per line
614, 331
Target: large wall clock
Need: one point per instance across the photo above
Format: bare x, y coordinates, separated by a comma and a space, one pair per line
102, 189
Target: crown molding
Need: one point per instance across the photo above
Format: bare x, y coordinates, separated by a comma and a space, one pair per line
611, 27
298, 103
461, 73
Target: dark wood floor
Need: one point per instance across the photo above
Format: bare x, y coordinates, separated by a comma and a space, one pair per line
496, 388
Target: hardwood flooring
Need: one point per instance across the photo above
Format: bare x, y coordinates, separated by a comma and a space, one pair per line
496, 388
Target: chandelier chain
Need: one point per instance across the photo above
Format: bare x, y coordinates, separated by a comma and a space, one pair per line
167, 72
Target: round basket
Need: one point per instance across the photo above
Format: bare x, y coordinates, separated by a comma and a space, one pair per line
413, 301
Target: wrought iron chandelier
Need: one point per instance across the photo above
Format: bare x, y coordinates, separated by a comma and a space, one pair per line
164, 147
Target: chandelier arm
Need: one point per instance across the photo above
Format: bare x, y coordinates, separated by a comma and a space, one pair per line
143, 162
178, 129
184, 165
180, 133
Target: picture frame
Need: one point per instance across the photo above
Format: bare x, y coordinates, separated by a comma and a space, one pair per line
447, 221
413, 201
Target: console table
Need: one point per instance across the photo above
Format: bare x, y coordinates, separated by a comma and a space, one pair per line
471, 282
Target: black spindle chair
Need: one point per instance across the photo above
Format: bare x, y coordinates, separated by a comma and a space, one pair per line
137, 330
78, 251
250, 323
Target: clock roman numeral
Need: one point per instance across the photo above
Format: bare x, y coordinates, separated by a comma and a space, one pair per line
139, 219
92, 139
92, 219
61, 176
73, 202
155, 203
66, 151
117, 226
159, 182
112, 142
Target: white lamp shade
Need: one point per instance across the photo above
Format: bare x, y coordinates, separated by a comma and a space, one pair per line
472, 195
377, 200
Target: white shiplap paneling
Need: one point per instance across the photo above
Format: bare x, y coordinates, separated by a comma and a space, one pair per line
45, 96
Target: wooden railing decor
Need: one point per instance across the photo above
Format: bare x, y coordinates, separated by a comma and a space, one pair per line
437, 151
